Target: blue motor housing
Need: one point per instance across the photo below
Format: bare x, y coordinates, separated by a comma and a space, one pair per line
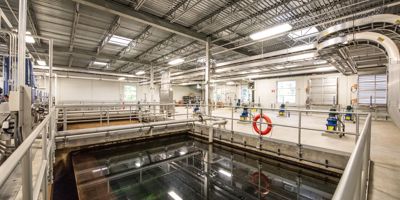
331, 123
245, 113
196, 109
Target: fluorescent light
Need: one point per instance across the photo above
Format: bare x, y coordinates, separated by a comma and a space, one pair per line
174, 195
271, 31
182, 153
320, 62
224, 172
28, 38
322, 69
99, 169
41, 62
99, 63
176, 61
137, 164
119, 40
303, 32
140, 73
279, 67
121, 78
230, 83
255, 71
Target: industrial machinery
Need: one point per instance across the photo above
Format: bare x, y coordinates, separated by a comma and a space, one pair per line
25, 103
349, 116
245, 115
282, 112
333, 123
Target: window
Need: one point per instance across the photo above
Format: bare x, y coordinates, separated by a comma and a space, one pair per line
286, 91
372, 87
129, 93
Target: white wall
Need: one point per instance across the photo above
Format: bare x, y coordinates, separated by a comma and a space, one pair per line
265, 90
69, 90
180, 91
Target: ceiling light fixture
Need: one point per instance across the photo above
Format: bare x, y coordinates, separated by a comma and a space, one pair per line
224, 172
121, 78
271, 31
28, 38
174, 195
230, 83
99, 63
176, 61
119, 40
41, 62
140, 73
320, 62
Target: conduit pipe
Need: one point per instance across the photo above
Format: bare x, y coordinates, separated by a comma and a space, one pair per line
393, 65
90, 72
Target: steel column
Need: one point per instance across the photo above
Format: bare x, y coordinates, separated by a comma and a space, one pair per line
207, 98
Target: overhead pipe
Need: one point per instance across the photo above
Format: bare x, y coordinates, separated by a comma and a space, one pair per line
393, 65
62, 69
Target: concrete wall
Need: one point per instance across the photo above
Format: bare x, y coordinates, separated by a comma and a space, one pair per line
265, 90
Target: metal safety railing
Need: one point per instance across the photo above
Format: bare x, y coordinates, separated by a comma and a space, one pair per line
22, 156
355, 178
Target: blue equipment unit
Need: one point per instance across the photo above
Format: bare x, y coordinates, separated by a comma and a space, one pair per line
196, 109
349, 116
29, 77
245, 114
282, 110
331, 124
332, 121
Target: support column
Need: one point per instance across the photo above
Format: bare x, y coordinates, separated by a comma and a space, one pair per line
151, 83
26, 164
207, 98
51, 73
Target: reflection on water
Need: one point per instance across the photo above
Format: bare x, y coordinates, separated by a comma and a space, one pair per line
183, 168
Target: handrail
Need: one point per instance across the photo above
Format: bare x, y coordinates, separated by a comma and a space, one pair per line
11, 163
353, 184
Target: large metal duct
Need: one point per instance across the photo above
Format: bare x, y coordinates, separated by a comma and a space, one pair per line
393, 65
382, 18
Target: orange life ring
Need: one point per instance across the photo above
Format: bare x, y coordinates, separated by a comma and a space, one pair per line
255, 125
265, 183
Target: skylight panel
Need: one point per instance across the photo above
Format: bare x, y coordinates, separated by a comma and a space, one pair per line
119, 40
303, 32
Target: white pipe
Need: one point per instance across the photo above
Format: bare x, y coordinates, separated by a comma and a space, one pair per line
393, 65
90, 72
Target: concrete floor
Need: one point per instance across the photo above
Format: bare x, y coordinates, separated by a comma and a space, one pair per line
385, 145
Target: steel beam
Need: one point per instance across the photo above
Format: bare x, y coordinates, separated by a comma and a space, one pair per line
207, 76
73, 32
89, 54
111, 30
143, 17
139, 4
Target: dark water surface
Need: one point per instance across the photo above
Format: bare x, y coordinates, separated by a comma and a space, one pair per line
185, 168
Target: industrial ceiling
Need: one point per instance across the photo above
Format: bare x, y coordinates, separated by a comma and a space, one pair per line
132, 35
